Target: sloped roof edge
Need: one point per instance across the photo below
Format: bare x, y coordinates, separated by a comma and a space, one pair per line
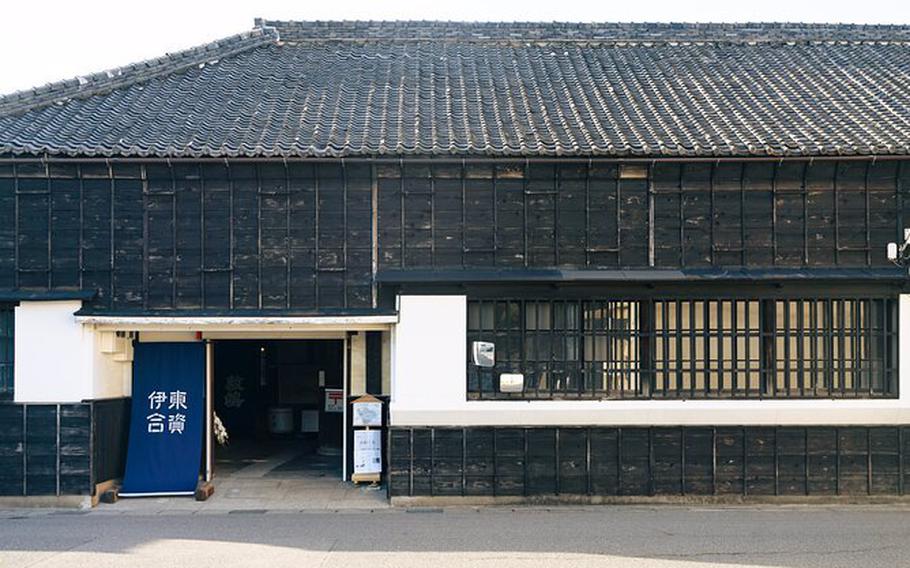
108, 80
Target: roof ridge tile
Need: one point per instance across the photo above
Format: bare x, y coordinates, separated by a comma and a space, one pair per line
584, 32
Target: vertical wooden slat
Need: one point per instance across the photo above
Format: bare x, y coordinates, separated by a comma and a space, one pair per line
868, 460
231, 236
112, 228
776, 461
556, 459
714, 460
619, 461
806, 460
24, 449
650, 216
745, 462
411, 462
524, 459
173, 190
588, 482
776, 171
57, 450
374, 233
682, 459
650, 461
900, 460
837, 461
464, 461
432, 461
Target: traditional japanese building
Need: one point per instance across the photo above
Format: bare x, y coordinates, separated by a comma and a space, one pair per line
577, 260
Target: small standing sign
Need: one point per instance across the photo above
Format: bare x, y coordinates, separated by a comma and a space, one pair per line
367, 415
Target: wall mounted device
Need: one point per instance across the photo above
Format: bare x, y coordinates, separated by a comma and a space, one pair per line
483, 353
899, 253
511, 382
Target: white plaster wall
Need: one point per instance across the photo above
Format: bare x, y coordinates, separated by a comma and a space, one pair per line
429, 387
60, 360
428, 351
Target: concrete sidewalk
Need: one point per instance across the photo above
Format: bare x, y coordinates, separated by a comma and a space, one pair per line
266, 482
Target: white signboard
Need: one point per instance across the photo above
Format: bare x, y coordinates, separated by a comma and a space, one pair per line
367, 451
334, 400
367, 413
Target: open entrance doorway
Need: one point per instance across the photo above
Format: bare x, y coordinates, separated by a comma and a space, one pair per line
281, 403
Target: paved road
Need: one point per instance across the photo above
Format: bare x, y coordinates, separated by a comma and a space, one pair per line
620, 536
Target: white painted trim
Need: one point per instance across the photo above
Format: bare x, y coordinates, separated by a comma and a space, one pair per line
655, 413
344, 415
165, 494
238, 324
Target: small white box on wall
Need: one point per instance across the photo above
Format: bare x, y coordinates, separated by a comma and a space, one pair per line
511, 382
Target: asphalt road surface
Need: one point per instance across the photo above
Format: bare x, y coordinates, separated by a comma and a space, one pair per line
621, 536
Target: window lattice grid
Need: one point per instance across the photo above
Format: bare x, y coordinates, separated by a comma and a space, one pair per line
706, 348
688, 348
832, 348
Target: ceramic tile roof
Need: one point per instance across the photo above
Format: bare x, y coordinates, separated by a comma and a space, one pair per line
323, 89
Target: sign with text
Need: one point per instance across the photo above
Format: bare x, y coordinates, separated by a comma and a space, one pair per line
334, 400
367, 452
168, 413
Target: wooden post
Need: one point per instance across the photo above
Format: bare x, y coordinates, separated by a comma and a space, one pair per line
209, 410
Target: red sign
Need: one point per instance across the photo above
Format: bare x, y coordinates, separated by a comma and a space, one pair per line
334, 400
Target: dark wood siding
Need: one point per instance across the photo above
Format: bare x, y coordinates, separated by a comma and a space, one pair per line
305, 236
61, 449
190, 236
45, 449
737, 461
793, 214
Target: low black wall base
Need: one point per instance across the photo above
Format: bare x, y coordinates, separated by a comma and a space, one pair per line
56, 450
739, 462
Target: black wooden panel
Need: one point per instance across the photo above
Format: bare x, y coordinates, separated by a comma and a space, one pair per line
573, 461
479, 462
12, 447
128, 244
422, 462
853, 460
667, 460
605, 462
512, 456
748, 461
791, 461
822, 456
299, 236
885, 460
399, 462
760, 461
245, 205
448, 464
730, 448
541, 464
635, 465
111, 433
188, 263
75, 449
41, 449
699, 461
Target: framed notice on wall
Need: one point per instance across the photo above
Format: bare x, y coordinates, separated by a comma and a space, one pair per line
334, 400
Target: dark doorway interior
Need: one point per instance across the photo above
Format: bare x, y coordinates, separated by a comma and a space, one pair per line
271, 397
